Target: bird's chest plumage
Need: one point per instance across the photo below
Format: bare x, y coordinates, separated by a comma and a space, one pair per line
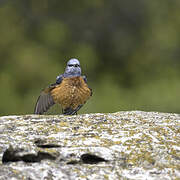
71, 93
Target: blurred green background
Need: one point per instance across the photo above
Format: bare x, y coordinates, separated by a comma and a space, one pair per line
129, 50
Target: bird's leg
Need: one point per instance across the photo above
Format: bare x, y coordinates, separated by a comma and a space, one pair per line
76, 110
70, 111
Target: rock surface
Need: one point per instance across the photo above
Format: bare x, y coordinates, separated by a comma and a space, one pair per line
122, 145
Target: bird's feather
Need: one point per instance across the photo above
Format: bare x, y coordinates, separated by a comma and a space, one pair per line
45, 100
85, 80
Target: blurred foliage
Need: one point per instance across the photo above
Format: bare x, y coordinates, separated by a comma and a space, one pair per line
129, 51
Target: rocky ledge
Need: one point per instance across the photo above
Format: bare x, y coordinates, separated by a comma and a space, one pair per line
122, 145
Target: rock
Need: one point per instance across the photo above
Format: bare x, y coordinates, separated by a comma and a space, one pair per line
122, 145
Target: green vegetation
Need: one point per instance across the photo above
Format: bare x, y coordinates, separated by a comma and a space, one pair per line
129, 51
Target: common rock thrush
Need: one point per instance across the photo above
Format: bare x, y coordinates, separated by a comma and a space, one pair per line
70, 91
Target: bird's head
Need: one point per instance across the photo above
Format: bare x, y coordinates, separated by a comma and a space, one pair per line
73, 68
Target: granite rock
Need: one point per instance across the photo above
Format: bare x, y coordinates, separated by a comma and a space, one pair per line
122, 145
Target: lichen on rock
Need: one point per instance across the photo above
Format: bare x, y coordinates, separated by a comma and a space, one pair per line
132, 144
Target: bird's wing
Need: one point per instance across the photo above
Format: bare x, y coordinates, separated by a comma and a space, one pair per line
59, 79
45, 100
85, 80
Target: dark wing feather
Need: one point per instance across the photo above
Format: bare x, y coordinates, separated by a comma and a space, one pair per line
45, 100
59, 79
85, 80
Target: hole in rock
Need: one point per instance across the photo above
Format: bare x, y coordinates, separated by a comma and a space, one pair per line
11, 155
48, 145
73, 162
43, 144
92, 159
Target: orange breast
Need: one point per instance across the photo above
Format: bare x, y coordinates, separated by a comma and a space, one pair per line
71, 93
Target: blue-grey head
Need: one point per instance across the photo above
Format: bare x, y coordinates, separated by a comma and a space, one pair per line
73, 68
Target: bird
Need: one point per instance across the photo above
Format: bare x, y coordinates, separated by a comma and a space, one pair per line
70, 90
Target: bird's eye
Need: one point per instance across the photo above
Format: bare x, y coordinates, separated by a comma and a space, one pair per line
75, 65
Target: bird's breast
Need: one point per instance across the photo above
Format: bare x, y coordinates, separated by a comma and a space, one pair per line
71, 93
